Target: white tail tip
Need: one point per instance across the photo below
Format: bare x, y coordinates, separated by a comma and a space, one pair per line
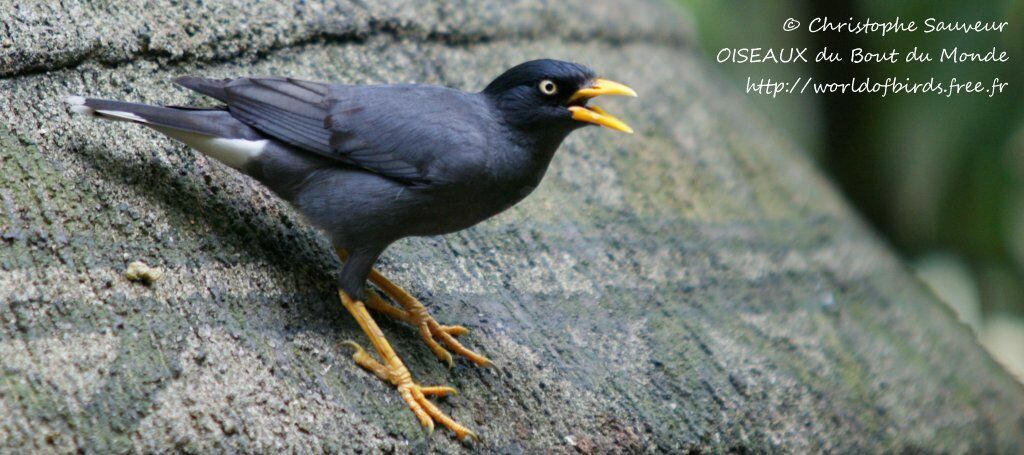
78, 106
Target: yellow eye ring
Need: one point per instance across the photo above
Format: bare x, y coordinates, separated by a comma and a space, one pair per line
548, 87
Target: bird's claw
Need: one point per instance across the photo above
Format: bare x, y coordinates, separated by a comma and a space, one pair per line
440, 339
413, 394
454, 330
431, 331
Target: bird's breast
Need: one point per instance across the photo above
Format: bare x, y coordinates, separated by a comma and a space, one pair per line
484, 186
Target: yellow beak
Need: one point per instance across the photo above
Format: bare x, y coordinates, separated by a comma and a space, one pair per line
594, 114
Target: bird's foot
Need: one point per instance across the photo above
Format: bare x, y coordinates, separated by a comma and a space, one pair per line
414, 395
416, 315
393, 370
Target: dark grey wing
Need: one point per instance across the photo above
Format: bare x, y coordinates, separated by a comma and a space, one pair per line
403, 132
415, 132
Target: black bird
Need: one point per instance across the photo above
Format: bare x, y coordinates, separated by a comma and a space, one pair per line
371, 164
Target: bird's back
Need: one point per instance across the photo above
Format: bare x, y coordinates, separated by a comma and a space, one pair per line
416, 134
373, 163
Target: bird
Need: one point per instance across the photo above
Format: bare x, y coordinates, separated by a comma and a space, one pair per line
371, 164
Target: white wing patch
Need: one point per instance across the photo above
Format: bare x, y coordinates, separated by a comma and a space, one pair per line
232, 152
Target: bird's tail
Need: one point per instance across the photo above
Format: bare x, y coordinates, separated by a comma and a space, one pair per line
212, 131
210, 121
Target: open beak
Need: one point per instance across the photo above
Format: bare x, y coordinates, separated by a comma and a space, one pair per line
594, 114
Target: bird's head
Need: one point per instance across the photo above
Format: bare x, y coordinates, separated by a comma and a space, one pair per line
552, 95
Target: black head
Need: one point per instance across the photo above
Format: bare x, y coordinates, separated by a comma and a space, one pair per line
550, 96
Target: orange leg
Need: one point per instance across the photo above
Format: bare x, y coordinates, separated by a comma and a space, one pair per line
394, 371
414, 313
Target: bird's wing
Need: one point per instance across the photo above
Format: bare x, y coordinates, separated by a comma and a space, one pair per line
406, 132
418, 132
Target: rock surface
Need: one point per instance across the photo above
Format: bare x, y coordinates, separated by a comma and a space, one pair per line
695, 286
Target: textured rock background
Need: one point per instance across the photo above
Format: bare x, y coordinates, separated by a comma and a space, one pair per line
694, 286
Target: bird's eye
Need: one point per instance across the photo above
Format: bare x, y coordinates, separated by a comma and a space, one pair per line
547, 87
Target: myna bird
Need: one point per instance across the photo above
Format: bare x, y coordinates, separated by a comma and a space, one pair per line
371, 164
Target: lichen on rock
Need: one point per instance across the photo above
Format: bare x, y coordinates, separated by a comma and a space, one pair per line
139, 271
